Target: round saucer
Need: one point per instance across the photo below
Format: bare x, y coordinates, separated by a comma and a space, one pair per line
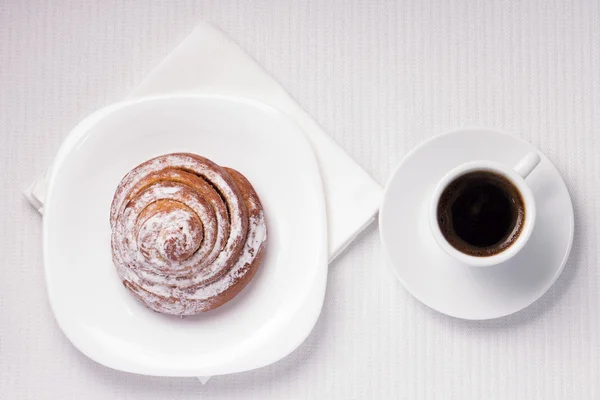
440, 281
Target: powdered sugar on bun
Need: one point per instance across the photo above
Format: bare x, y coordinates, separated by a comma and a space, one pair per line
187, 234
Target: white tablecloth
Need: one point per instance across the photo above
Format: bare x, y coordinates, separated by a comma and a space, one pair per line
380, 77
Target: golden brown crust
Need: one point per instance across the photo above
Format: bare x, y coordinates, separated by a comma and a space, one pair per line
188, 235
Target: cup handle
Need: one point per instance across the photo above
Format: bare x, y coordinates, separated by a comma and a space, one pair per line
527, 164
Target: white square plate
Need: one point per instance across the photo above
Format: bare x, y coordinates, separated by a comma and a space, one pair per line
268, 319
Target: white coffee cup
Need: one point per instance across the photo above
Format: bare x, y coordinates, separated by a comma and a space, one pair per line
516, 176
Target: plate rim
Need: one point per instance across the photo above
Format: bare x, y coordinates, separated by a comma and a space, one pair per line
317, 286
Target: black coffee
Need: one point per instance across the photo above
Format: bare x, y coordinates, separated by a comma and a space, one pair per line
481, 213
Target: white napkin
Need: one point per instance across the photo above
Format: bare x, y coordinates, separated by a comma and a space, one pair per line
207, 61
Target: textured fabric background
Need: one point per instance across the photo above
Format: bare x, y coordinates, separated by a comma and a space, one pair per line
380, 77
